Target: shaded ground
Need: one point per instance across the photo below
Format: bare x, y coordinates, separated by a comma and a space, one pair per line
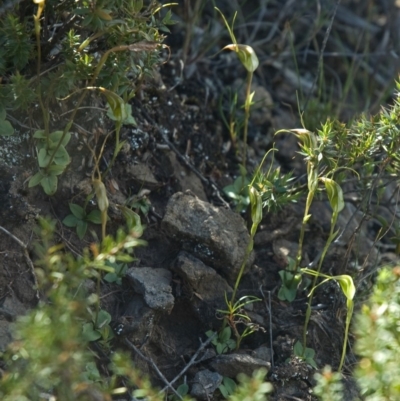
181, 143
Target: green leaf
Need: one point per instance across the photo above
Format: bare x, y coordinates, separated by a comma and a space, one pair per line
183, 389
137, 5
94, 217
56, 136
224, 391
89, 334
81, 228
61, 157
77, 211
39, 134
35, 180
55, 170
6, 129
225, 334
3, 114
111, 277
298, 348
229, 384
49, 184
43, 157
103, 318
220, 348
309, 353
70, 221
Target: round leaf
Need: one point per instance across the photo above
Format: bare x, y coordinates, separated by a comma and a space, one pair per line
6, 129
70, 221
35, 180
81, 228
94, 217
77, 211
57, 135
49, 184
61, 157
43, 157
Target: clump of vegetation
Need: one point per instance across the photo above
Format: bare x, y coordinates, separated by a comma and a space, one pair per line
108, 48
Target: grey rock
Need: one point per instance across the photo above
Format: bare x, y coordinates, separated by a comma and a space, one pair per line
263, 353
216, 236
137, 320
204, 280
233, 364
205, 283
154, 284
205, 383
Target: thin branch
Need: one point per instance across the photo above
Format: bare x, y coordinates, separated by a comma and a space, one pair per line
154, 366
192, 360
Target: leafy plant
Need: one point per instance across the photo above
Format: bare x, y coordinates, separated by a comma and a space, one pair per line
116, 47
249, 60
223, 342
118, 273
227, 387
378, 341
252, 388
329, 385
276, 189
233, 314
79, 218
335, 196
348, 288
53, 159
98, 328
290, 279
182, 390
304, 353
239, 192
50, 354
6, 129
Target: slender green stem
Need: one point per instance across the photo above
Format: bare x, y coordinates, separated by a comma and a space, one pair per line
350, 306
310, 298
45, 114
247, 105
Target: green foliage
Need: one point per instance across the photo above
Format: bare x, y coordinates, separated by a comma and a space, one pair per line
304, 353
252, 388
79, 218
378, 344
182, 390
118, 273
223, 342
227, 387
51, 354
84, 29
276, 189
107, 49
348, 288
249, 60
329, 386
16, 47
53, 159
239, 192
6, 129
291, 279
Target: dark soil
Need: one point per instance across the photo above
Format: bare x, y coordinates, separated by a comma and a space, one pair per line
180, 143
